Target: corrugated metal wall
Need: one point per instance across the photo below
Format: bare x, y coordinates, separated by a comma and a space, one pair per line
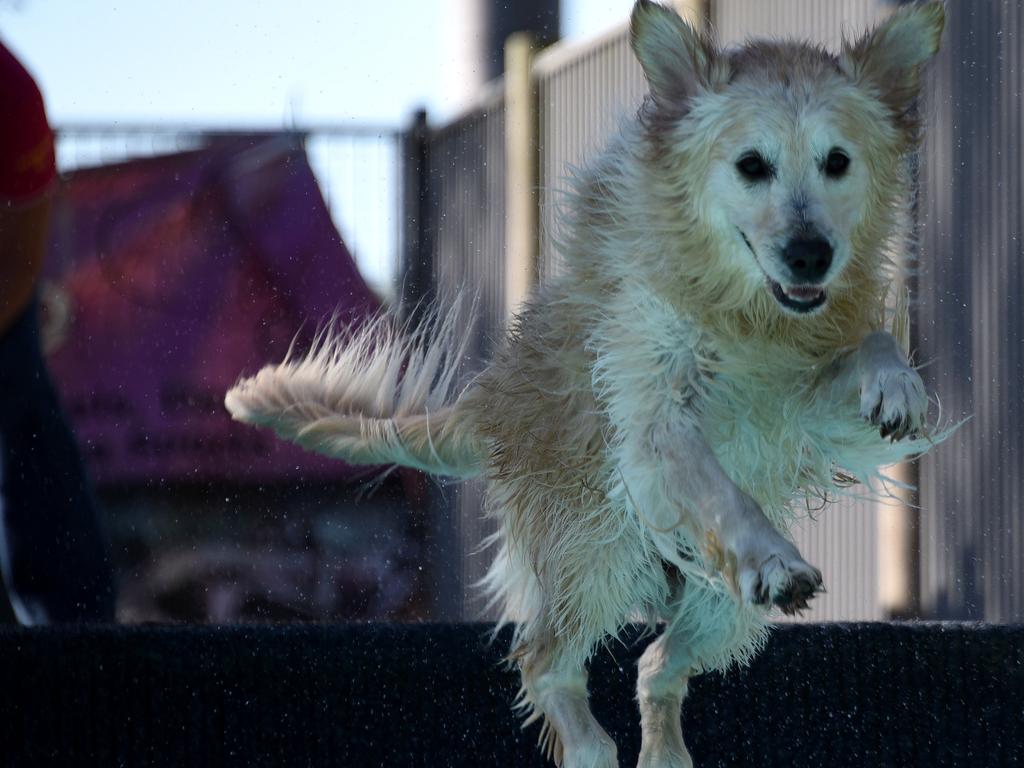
822, 22
584, 92
972, 325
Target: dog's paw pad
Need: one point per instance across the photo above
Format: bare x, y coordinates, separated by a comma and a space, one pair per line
788, 585
796, 596
895, 402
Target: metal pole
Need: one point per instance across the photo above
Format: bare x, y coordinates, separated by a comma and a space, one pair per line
417, 269
521, 162
899, 549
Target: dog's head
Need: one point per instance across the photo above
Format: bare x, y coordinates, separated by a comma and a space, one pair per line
788, 158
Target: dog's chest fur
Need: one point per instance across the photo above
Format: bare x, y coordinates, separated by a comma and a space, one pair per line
583, 511
760, 407
551, 422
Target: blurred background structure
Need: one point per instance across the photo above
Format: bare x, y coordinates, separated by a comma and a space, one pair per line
192, 253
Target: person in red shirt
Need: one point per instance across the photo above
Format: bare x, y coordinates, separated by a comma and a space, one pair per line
53, 558
27, 173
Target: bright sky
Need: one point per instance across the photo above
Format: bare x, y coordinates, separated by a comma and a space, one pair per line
249, 61
255, 63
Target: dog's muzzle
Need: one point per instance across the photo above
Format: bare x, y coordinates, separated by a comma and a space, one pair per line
805, 259
808, 260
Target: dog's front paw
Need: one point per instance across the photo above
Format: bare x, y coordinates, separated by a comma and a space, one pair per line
771, 570
894, 400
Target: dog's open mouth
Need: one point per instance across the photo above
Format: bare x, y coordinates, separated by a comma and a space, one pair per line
800, 298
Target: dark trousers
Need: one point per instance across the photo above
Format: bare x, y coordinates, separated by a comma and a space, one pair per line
54, 558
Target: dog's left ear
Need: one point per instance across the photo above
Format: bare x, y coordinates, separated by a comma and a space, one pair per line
677, 60
889, 58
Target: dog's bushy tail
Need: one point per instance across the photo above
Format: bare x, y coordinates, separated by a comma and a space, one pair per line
383, 394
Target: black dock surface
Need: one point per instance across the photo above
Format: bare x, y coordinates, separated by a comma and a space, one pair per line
820, 696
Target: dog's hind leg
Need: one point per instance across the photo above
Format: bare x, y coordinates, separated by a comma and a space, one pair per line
556, 685
663, 672
707, 628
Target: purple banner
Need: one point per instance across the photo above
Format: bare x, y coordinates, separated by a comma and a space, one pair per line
178, 273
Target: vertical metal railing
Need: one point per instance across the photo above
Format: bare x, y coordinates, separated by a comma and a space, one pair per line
464, 173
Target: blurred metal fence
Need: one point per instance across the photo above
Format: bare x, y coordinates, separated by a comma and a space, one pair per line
357, 167
735, 20
584, 92
465, 228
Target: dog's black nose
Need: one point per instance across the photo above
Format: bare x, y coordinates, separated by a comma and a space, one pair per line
808, 259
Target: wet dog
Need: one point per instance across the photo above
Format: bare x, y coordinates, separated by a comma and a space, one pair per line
723, 349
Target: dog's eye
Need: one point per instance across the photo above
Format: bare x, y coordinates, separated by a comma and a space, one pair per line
753, 167
836, 163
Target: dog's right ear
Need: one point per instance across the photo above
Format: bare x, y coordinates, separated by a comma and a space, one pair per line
677, 60
889, 58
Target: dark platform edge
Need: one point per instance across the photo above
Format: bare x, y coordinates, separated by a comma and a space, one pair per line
879, 694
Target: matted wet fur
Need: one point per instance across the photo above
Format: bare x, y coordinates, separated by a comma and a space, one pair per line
722, 351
